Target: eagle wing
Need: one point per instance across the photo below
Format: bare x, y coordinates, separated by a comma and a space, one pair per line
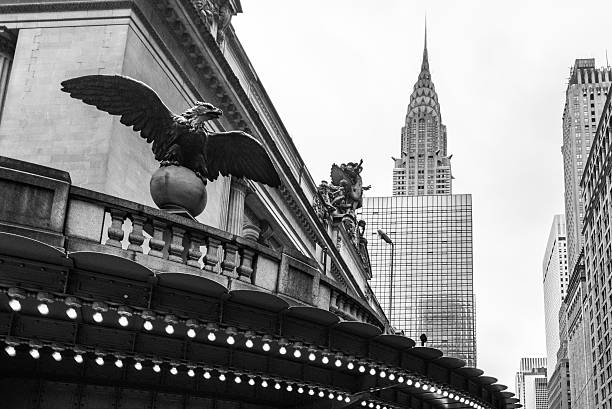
240, 155
336, 175
137, 104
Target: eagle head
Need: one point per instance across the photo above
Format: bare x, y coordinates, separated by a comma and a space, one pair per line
202, 112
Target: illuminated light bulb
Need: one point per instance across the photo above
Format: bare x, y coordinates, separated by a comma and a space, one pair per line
211, 336
277, 386
457, 397
382, 374
173, 370
338, 363
169, 329
409, 382
361, 368
148, 325
119, 363
289, 388
97, 317
450, 395
34, 353
266, 347
237, 379
312, 356
445, 394
10, 350
43, 308
191, 373
340, 398
311, 392
347, 399
330, 396
230, 340
300, 390
138, 366
461, 400
191, 333
425, 387
264, 384
57, 355
249, 343
156, 368
400, 379
78, 358
439, 391
432, 389
391, 377
417, 384
100, 361
325, 359
363, 403
123, 321
71, 313
371, 405
282, 350
372, 371
15, 304
350, 366
297, 353
222, 377
321, 394
206, 375
251, 381
377, 406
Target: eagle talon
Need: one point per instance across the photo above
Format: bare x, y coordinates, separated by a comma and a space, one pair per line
169, 163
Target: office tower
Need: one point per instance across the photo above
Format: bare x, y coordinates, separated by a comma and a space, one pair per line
423, 167
584, 100
585, 96
427, 286
531, 388
555, 278
597, 196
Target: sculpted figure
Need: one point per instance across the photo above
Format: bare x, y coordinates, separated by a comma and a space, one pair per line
176, 139
189, 152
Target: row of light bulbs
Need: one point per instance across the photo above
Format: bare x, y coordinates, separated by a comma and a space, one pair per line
207, 373
170, 321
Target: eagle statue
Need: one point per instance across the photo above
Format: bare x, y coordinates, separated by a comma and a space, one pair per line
180, 140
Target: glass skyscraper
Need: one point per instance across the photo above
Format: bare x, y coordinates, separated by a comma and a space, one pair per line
431, 291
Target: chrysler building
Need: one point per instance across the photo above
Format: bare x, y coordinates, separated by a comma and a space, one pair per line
423, 167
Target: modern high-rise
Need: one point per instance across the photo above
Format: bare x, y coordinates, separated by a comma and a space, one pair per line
424, 279
584, 100
531, 385
555, 280
423, 167
596, 185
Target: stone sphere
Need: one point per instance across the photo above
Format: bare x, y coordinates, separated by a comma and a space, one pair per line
176, 188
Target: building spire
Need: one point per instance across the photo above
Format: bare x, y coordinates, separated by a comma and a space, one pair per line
425, 63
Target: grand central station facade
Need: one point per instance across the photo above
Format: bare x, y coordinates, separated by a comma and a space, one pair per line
107, 301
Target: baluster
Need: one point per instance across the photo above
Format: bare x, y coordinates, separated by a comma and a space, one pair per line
212, 254
246, 265
115, 230
229, 260
175, 252
157, 242
194, 253
136, 238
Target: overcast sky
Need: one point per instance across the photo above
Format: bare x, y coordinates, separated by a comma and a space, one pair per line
340, 74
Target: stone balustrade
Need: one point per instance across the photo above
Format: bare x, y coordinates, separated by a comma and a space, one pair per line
83, 220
